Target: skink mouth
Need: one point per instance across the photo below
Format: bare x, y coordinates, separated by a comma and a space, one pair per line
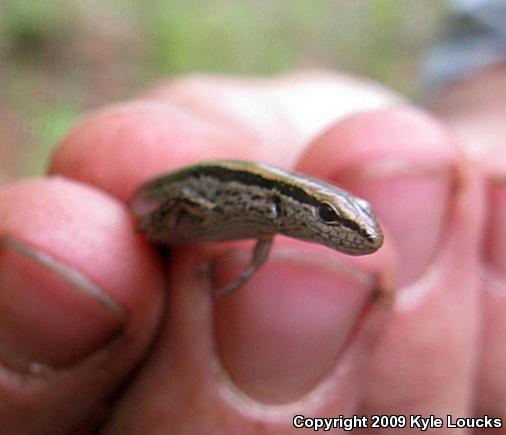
372, 242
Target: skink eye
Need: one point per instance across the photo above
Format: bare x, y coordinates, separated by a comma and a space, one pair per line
327, 213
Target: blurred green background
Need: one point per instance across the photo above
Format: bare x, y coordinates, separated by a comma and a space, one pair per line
59, 58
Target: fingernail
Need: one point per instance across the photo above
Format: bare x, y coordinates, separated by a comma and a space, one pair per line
284, 331
50, 313
414, 203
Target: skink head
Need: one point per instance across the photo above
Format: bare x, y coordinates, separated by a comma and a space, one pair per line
352, 220
336, 219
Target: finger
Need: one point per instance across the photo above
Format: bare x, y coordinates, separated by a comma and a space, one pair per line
409, 145
279, 115
295, 339
491, 395
80, 296
475, 109
431, 207
120, 147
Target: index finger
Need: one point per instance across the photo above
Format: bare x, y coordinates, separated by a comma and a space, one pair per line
118, 148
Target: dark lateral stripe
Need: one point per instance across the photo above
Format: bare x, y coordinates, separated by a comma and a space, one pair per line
245, 177
250, 178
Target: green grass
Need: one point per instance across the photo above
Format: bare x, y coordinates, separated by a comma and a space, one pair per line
53, 54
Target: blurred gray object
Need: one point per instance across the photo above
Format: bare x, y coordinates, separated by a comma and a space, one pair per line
475, 37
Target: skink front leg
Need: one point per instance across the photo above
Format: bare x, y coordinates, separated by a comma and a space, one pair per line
260, 254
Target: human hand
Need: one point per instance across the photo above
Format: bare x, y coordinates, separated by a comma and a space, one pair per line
314, 332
